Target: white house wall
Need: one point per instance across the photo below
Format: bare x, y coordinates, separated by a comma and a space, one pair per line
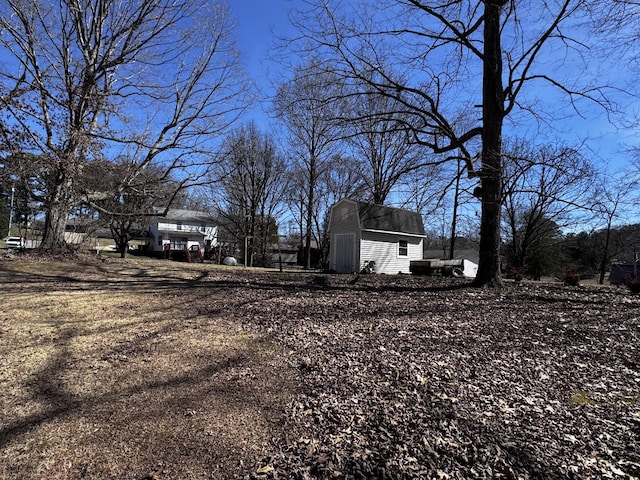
184, 227
194, 234
383, 249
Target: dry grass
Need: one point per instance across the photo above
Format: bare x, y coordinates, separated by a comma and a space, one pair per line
110, 370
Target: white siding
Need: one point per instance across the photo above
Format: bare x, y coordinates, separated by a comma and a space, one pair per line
380, 247
181, 227
383, 249
191, 234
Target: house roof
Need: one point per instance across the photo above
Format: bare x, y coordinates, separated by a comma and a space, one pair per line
389, 219
188, 215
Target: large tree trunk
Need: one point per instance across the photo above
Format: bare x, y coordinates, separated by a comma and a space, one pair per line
60, 204
491, 174
309, 233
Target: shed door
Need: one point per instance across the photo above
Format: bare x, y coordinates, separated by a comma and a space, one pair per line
344, 252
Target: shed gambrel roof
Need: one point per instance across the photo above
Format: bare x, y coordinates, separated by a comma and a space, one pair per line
389, 219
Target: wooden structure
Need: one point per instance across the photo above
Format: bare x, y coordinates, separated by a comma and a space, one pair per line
373, 238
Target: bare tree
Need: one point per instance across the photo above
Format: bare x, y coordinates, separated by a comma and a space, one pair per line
307, 105
454, 56
341, 179
613, 198
380, 143
247, 189
126, 208
149, 79
544, 188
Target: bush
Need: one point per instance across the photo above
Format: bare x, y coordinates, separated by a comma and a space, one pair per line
517, 273
571, 277
633, 283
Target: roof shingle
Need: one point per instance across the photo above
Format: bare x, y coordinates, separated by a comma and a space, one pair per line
389, 219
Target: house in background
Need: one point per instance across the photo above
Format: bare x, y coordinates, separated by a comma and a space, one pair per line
182, 228
88, 235
362, 233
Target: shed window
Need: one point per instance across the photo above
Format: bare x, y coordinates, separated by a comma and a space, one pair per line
403, 248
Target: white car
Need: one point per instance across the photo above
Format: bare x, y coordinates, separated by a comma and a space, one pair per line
14, 242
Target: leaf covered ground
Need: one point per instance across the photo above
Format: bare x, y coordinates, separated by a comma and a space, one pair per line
162, 370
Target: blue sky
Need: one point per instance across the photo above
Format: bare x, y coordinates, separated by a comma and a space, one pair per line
259, 23
257, 20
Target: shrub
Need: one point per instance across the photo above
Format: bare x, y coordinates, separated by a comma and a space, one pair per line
571, 277
517, 273
633, 283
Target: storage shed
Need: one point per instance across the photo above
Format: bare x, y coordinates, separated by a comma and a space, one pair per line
362, 233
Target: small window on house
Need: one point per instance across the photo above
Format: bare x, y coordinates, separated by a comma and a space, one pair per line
403, 248
179, 225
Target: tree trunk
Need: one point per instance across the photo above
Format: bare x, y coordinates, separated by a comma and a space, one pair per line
124, 241
491, 173
311, 199
605, 255
307, 247
60, 204
454, 218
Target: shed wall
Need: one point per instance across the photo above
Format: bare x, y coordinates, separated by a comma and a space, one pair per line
383, 249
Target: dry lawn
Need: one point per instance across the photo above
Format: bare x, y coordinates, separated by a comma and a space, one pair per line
142, 369
112, 370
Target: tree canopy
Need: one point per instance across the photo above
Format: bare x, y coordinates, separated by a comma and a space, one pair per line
88, 80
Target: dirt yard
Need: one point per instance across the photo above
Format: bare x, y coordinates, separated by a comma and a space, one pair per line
142, 369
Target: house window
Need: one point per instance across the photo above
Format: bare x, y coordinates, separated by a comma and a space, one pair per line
403, 248
179, 243
179, 225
